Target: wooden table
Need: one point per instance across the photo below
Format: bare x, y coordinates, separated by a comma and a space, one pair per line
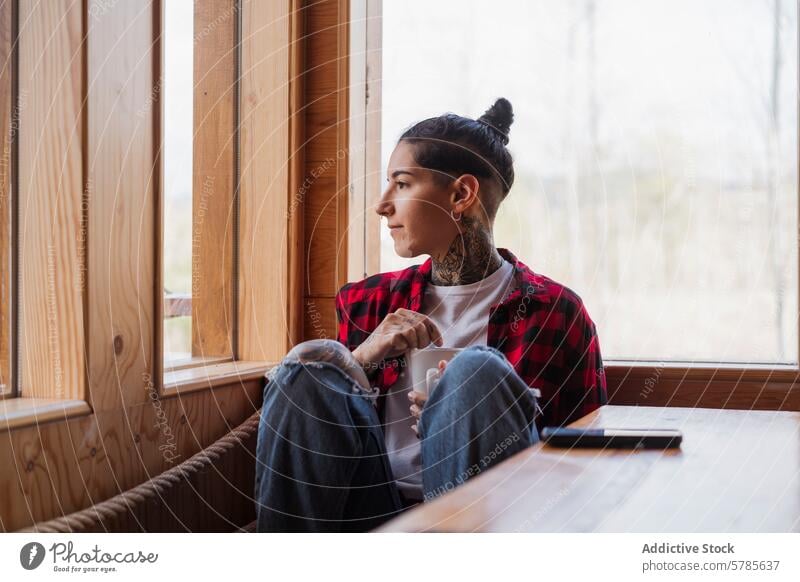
736, 471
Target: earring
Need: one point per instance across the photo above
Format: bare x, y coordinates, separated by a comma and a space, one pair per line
454, 217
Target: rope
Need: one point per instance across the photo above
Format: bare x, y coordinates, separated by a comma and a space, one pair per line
126, 501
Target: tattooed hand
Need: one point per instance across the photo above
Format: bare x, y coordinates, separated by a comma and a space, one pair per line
399, 332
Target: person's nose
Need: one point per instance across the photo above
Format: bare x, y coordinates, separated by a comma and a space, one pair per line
385, 206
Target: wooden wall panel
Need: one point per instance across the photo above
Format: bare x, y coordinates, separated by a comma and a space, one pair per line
266, 211
51, 182
320, 319
654, 389
8, 110
326, 153
121, 104
61, 467
214, 177
297, 129
95, 170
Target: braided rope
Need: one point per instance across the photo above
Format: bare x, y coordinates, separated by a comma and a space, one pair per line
127, 500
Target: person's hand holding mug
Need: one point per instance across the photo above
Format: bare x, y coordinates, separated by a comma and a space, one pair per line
418, 399
400, 331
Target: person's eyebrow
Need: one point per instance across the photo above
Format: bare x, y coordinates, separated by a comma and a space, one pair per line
398, 172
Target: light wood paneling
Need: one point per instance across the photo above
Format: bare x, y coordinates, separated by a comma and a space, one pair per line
320, 318
217, 498
214, 177
121, 105
264, 255
7, 113
327, 148
109, 286
20, 412
60, 467
297, 249
51, 180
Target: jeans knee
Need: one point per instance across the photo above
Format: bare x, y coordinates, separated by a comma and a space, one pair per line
318, 350
481, 360
470, 376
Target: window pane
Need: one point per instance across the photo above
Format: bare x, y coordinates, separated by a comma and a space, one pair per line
178, 22
655, 148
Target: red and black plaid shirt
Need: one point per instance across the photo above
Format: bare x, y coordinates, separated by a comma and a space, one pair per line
542, 327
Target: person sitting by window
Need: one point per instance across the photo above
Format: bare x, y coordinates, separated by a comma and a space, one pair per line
344, 443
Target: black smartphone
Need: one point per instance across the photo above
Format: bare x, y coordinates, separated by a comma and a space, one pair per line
617, 438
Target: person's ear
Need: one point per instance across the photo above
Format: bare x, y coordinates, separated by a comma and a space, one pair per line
465, 192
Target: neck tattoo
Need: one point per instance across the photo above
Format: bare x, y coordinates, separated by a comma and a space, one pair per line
470, 258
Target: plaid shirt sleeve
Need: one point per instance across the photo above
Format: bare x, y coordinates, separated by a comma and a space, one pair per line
360, 308
584, 389
348, 330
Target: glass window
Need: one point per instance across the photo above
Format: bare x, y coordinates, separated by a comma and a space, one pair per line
178, 132
655, 148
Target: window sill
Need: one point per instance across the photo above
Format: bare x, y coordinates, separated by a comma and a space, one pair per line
205, 377
702, 371
187, 361
21, 412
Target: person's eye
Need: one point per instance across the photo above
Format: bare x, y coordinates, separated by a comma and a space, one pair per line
402, 185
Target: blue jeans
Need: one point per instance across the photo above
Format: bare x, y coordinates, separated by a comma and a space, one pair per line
321, 462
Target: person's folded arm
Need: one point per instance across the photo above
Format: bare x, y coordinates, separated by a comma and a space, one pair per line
584, 389
348, 333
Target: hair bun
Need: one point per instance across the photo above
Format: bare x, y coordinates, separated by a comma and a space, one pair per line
499, 118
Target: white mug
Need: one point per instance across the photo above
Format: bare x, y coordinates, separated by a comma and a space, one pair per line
423, 366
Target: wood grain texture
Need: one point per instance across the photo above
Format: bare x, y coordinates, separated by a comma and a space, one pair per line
217, 498
213, 320
21, 412
134, 432
725, 388
327, 147
7, 132
297, 249
121, 174
320, 318
265, 201
51, 182
60, 467
210, 375
736, 471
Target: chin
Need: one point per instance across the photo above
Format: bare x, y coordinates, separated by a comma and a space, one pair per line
404, 251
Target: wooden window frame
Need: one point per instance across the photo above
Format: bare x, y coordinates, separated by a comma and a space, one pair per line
211, 304
645, 382
9, 122
104, 358
96, 110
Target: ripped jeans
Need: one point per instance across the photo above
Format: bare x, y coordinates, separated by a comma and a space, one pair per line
321, 462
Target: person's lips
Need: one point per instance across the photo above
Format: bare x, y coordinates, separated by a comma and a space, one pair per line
394, 226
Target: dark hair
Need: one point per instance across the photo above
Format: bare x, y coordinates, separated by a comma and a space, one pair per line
452, 145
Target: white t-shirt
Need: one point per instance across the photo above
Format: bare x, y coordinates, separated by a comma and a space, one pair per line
461, 312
